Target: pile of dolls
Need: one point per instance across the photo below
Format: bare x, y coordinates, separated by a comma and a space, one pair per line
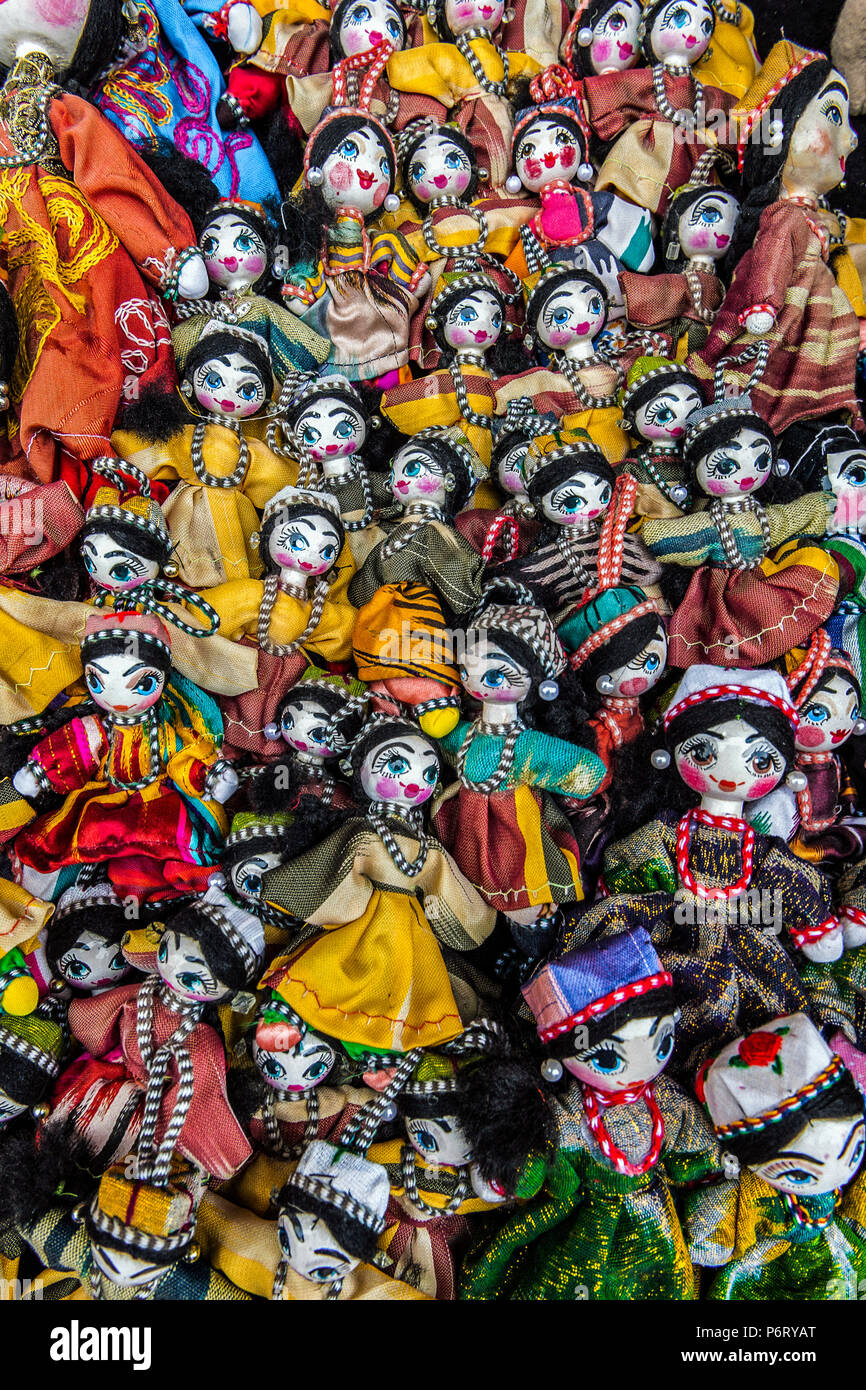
432, 637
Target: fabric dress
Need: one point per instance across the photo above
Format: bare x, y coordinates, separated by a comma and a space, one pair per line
592, 1232
515, 844
375, 975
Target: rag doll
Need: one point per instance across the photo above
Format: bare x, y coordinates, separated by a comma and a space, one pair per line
385, 896
82, 944
784, 296
658, 401
509, 530
627, 1138
789, 1222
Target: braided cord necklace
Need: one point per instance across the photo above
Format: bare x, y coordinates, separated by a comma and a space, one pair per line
455, 368
510, 732
376, 812
697, 114
720, 510
471, 249
594, 1102
494, 89
276, 1144
150, 726
270, 589
408, 1172
586, 397
236, 477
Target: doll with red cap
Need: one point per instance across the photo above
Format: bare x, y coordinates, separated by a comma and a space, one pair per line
621, 1137
733, 913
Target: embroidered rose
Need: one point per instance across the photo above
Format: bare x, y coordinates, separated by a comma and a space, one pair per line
760, 1050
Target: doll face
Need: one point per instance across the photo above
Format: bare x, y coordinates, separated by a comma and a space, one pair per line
547, 150
573, 314
182, 966
732, 761
402, 771
644, 671
42, 26
682, 31
235, 255
358, 172
229, 386
304, 726
823, 1156
331, 429
474, 322
822, 140
827, 720
439, 1141
461, 15
705, 229
635, 1053
663, 417
310, 1248
489, 674
91, 962
368, 23
614, 38
309, 544
417, 477
298, 1070
737, 468
582, 497
846, 474
439, 169
112, 566
247, 875
124, 684
9, 1108
509, 471
124, 1269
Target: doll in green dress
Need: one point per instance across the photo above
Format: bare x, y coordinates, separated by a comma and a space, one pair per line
790, 1223
604, 1225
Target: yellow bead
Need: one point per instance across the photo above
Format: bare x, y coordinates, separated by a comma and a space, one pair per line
21, 997
439, 722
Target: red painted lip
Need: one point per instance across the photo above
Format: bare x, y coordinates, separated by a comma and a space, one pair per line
375, 38
227, 405
230, 262
365, 179
412, 790
402, 485
690, 42
440, 180
549, 159
625, 49
839, 735
727, 786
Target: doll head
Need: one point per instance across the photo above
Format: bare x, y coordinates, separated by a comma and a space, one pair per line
237, 245
124, 543
360, 26
699, 225
784, 1105
350, 159
252, 847
550, 143
660, 397
728, 449
436, 467
621, 643
451, 18
437, 162
606, 1012
467, 314
321, 715
827, 695
138, 1229
602, 37
127, 661
509, 650
508, 458
288, 1054
33, 1040
227, 374
429, 1106
836, 458
392, 762
566, 310
78, 37
330, 1213
302, 533
731, 734
569, 481
329, 420
83, 943
210, 950
676, 33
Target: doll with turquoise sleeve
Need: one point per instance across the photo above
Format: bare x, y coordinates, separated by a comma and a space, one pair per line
790, 1222
500, 819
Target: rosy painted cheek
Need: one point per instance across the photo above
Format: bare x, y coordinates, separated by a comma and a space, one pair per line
255, 264
601, 50
205, 399
340, 176
762, 787
461, 180
459, 335
567, 156
654, 431
636, 686
700, 239
380, 195
354, 41
809, 737
560, 336
387, 788
693, 777
533, 168
716, 487
428, 484
423, 190
126, 584
349, 447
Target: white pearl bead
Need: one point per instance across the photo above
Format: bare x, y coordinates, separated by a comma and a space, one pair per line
661, 758
551, 1069
271, 731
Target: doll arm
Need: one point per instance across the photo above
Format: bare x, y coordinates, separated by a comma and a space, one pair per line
770, 267
58, 1241
452, 568
326, 885
540, 760
95, 1020
709, 1219
681, 540
155, 230
212, 1135
802, 905
66, 759
644, 862
809, 515
458, 915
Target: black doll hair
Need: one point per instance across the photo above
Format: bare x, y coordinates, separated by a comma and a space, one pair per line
9, 334
284, 151
562, 118
354, 1238
131, 537
279, 517
337, 16
561, 717
36, 1165
550, 284
831, 670
806, 444
721, 433
348, 397
184, 179
155, 653
128, 1244
108, 922
248, 848
453, 465
839, 1102
100, 40
762, 165
653, 385
381, 732
157, 415
456, 138
216, 947
650, 15
674, 259
504, 1108
258, 222
708, 714
22, 1080
656, 1003
217, 347
618, 651
594, 12
553, 475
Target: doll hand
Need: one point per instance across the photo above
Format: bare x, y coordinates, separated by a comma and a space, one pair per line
27, 783
222, 782
244, 29
760, 323
829, 948
853, 933
193, 282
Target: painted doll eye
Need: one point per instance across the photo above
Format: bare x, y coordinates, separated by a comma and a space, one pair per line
393, 29
349, 149
665, 1047
248, 391
857, 1156
396, 765
707, 27
605, 497
798, 1176
146, 685
616, 21
328, 552
595, 306
763, 761
323, 1274
709, 215
494, 678
360, 15
94, 683
285, 1243
244, 242
833, 114
213, 381
651, 662
271, 1067
162, 953
209, 245
189, 980
679, 18
467, 314
425, 1140
854, 475
663, 416
317, 1070
816, 714
412, 469
344, 430
118, 962
75, 969
571, 502
453, 160
526, 151
723, 467
121, 572
309, 435
701, 753
607, 1061
250, 883
762, 462
431, 775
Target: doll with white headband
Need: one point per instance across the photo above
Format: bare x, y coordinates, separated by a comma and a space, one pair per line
789, 1222
734, 914
609, 1137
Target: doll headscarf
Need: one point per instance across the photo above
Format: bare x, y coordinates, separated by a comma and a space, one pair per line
782, 64
761, 687
592, 981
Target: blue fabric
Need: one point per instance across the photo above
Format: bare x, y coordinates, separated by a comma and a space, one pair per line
170, 91
592, 972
